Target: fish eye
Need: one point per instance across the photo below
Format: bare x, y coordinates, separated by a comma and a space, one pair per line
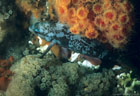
36, 24
36, 30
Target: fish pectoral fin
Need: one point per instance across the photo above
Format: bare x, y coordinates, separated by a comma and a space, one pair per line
49, 47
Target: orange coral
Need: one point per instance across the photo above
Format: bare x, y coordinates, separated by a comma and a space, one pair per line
26, 6
75, 29
97, 8
97, 20
118, 37
83, 24
115, 27
104, 20
127, 7
118, 40
103, 25
75, 1
110, 15
107, 4
82, 13
5, 73
118, 6
123, 18
72, 21
100, 23
62, 10
71, 12
91, 33
115, 39
65, 2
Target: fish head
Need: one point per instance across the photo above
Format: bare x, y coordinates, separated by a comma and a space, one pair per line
43, 30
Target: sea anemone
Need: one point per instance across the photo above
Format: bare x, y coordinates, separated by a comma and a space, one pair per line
110, 15
82, 12
123, 18
71, 12
106, 5
97, 8
83, 24
74, 29
118, 37
62, 10
65, 2
100, 23
91, 33
115, 27
75, 1
117, 40
62, 13
97, 21
72, 21
117, 6
127, 7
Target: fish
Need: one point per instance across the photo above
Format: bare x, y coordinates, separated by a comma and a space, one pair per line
58, 33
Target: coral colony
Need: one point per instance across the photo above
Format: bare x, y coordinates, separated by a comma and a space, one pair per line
109, 21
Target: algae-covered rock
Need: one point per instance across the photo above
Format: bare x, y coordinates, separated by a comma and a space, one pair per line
7, 14
2, 93
12, 32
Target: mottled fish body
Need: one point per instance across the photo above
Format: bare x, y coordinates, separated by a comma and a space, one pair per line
59, 33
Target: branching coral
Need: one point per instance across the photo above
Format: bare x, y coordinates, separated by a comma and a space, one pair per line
127, 84
100, 14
